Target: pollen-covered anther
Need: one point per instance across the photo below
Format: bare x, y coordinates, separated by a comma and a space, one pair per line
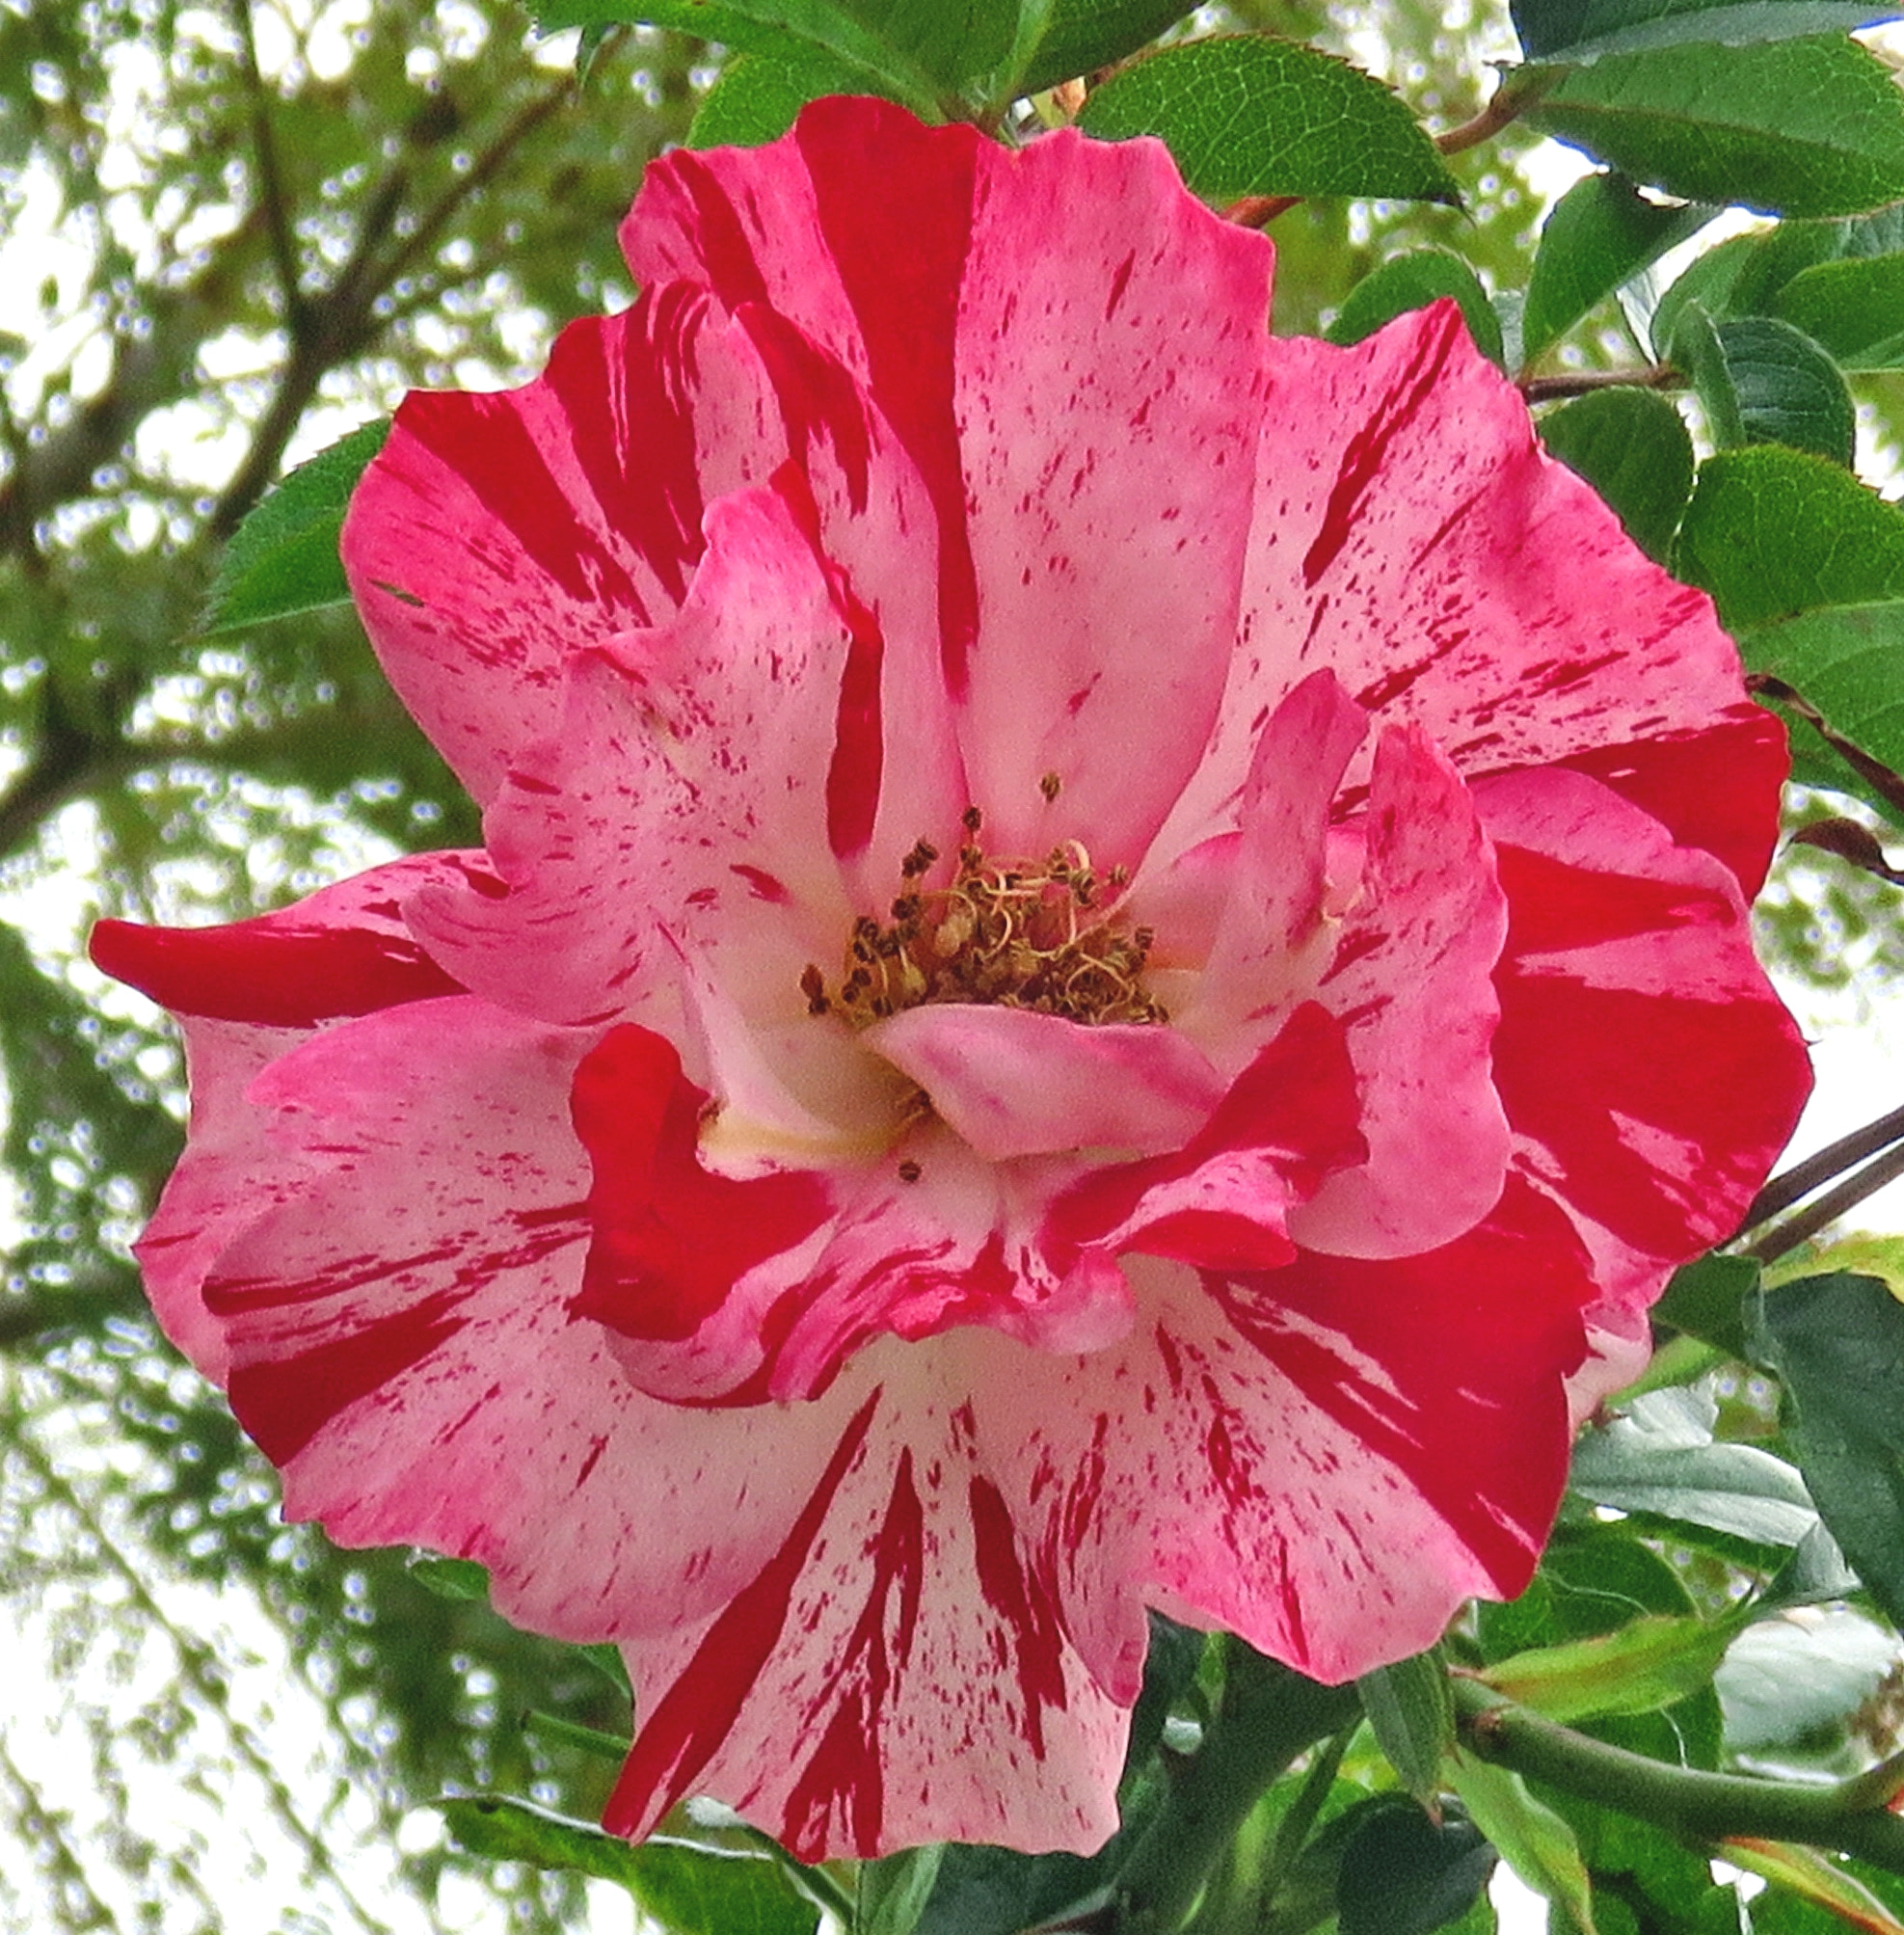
1005, 933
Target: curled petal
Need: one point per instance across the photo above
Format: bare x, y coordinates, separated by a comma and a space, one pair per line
1015, 1083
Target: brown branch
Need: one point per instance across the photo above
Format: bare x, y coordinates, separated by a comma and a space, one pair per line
1258, 211
1798, 1182
1485, 127
1584, 382
271, 180
1833, 1205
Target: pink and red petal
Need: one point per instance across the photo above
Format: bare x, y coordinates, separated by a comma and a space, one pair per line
496, 535
1649, 1070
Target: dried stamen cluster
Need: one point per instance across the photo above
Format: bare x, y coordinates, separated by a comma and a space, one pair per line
1004, 934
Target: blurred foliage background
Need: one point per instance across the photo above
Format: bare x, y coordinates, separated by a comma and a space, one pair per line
231, 230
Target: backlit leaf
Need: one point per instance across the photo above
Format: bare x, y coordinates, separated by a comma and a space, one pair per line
1411, 282
1632, 445
1250, 115
1601, 234
1795, 127
1584, 29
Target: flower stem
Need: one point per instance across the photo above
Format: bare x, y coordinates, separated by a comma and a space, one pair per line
1269, 1715
1684, 1801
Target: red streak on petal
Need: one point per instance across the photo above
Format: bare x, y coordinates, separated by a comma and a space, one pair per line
901, 259
1029, 1644
285, 1402
845, 1775
695, 1715
669, 1238
1362, 461
263, 971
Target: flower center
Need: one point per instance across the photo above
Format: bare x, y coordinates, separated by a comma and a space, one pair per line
1004, 934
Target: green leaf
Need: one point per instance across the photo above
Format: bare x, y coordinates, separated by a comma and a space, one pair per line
1789, 391
1601, 234
756, 97
1640, 1667
793, 31
1837, 1344
1816, 1877
1853, 309
284, 559
1771, 533
891, 1895
1584, 29
1806, 566
1403, 1873
1083, 36
1699, 349
1411, 1713
1250, 115
1532, 1838
1632, 445
1708, 280
1412, 281
1707, 1300
1796, 128
690, 1890
1660, 1459
450, 1578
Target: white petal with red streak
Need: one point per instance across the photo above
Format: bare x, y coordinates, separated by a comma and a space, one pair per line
899, 1670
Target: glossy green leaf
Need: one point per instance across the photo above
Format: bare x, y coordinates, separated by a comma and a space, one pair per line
1601, 234
1411, 282
1796, 128
1853, 309
450, 1578
689, 1888
1816, 1878
1699, 351
1771, 533
793, 31
1837, 1344
1530, 1836
1660, 1459
1083, 36
1584, 29
756, 97
1411, 1713
890, 1895
1405, 1873
1708, 280
1806, 566
1640, 1667
1632, 445
1250, 115
1790, 390
284, 559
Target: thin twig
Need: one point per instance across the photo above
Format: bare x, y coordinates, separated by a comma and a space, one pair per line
1828, 1207
1583, 382
1258, 211
1798, 1182
1485, 127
